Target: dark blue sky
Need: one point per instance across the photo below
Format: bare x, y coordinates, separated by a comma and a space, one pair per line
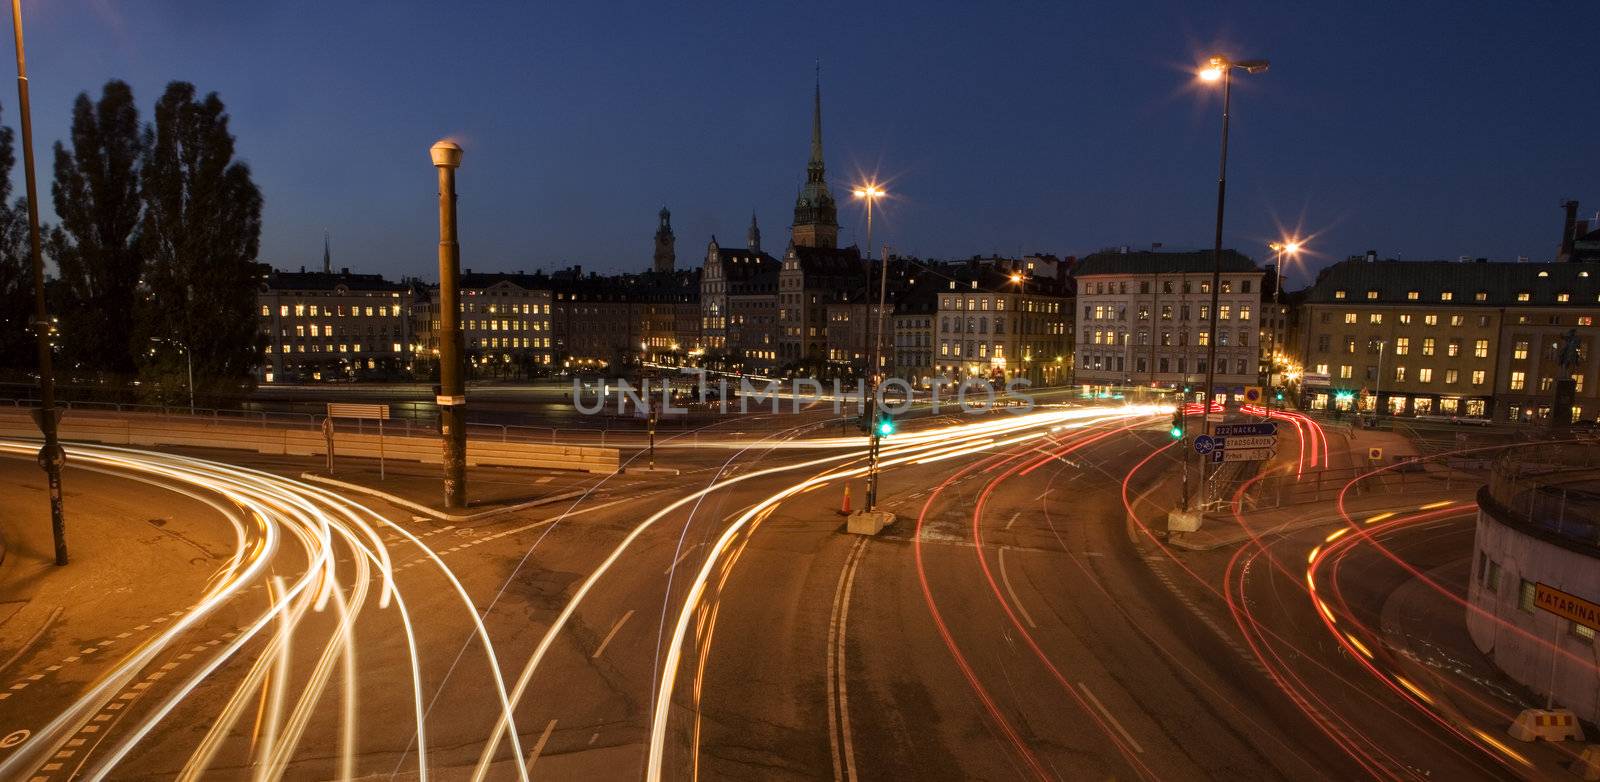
1422, 130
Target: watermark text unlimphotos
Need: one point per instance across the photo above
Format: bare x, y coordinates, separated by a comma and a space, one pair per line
972, 395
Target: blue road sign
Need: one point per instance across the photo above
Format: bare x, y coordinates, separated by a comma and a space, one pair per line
1204, 444
1246, 430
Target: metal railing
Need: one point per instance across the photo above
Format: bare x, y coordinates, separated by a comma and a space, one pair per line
1554, 488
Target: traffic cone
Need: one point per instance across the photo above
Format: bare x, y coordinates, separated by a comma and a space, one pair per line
844, 508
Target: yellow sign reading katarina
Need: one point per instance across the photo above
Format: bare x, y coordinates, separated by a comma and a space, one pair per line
1570, 606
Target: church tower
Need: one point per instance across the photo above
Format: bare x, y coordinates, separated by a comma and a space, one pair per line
666, 256
753, 236
816, 218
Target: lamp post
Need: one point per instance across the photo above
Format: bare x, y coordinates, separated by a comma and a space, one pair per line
1220, 69
871, 193
51, 456
452, 397
1284, 249
188, 359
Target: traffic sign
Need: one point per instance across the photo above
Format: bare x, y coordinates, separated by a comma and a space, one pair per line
1205, 444
1252, 394
1237, 430
1243, 455
1250, 441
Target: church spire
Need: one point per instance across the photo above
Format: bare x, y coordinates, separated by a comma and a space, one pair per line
327, 257
753, 236
816, 123
816, 217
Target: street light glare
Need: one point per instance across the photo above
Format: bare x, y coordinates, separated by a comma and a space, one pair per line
1211, 73
870, 191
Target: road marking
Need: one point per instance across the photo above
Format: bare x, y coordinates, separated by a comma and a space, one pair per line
1043, 494
539, 746
1113, 720
1006, 579
838, 697
545, 479
611, 635
675, 562
1013, 519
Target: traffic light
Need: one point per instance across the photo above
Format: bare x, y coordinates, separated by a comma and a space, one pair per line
1177, 423
885, 425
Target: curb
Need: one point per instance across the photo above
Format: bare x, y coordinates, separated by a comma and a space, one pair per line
1181, 541
435, 514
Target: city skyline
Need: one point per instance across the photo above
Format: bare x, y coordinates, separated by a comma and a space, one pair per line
978, 162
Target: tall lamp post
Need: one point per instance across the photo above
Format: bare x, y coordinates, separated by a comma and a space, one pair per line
452, 397
51, 456
1220, 69
1284, 249
870, 193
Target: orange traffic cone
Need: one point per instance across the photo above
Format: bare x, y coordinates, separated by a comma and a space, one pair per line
844, 508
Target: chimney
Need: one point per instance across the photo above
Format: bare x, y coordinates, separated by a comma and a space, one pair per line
1372, 255
1567, 227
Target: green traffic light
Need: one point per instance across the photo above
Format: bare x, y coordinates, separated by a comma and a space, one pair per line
885, 428
1177, 432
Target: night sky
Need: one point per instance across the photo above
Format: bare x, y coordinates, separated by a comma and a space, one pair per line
1420, 130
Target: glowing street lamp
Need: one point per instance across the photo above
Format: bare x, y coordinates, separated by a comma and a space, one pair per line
1220, 69
870, 192
1285, 249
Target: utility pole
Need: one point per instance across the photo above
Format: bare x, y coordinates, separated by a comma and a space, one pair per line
51, 456
871, 193
452, 397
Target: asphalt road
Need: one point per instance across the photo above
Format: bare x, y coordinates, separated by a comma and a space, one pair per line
718, 623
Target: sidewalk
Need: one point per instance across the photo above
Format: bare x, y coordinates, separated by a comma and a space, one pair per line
420, 487
1347, 458
137, 554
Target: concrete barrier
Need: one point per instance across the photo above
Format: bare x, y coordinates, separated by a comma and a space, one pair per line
135, 430
1547, 724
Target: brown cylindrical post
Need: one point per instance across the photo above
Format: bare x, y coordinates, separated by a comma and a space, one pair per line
51, 456
452, 398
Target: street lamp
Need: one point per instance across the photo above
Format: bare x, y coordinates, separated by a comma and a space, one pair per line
870, 193
1220, 69
51, 456
452, 396
188, 358
1284, 249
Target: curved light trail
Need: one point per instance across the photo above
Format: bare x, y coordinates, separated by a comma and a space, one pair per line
331, 550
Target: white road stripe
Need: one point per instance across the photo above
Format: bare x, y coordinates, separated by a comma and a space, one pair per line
1006, 579
611, 635
1013, 519
539, 746
1128, 737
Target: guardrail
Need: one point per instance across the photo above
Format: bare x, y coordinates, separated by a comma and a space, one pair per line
134, 429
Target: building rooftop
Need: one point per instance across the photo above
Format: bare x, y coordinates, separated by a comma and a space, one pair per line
1500, 284
328, 281
1158, 262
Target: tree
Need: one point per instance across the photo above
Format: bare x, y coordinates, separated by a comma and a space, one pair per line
18, 351
96, 245
200, 234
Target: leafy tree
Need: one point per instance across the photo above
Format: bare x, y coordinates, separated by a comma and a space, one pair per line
200, 234
17, 346
96, 245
